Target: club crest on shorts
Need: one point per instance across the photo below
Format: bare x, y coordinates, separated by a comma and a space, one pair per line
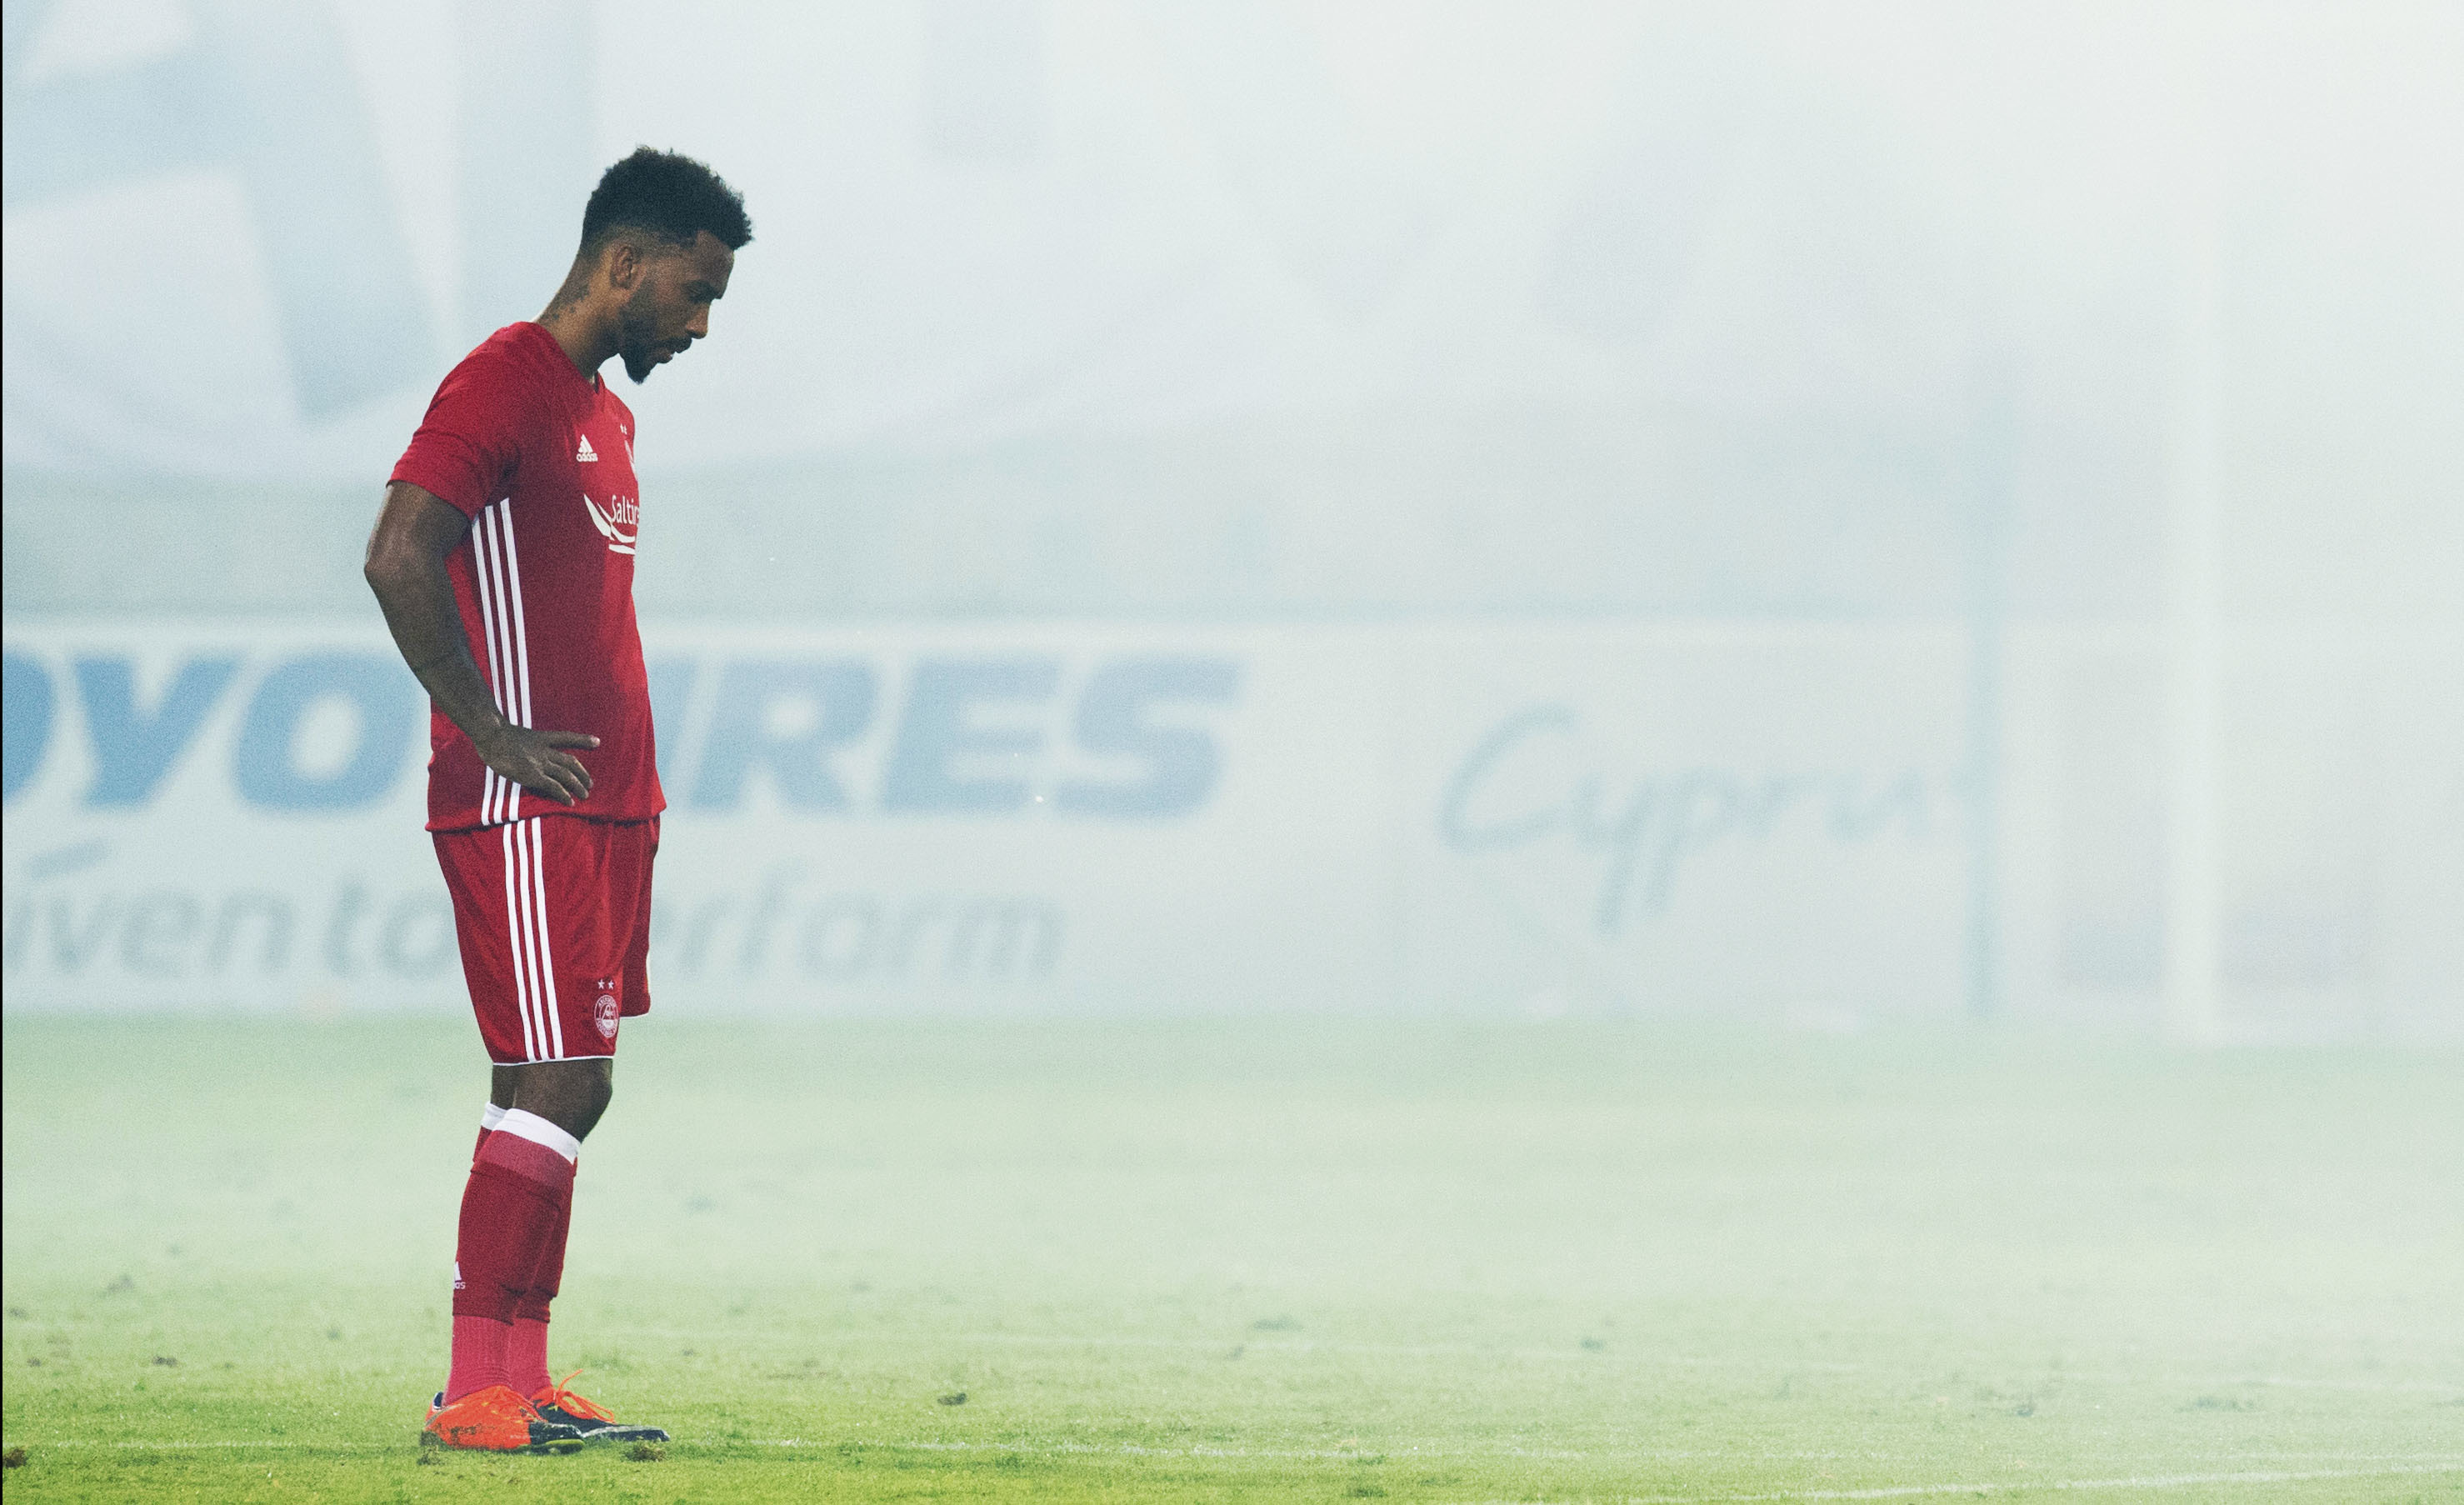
606, 1012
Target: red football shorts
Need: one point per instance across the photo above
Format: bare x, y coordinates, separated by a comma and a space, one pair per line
554, 917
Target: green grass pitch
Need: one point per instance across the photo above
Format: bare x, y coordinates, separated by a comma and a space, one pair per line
1262, 1260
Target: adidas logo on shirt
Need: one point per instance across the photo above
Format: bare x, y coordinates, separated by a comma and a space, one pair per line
584, 452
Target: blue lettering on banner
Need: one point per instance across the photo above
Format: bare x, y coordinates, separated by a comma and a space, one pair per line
1181, 762
63, 924
1454, 819
133, 746
265, 764
942, 727
26, 722
976, 736
835, 699
1643, 830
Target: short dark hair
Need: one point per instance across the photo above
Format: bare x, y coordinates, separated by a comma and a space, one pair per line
669, 195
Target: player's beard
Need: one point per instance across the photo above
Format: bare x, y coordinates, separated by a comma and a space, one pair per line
641, 345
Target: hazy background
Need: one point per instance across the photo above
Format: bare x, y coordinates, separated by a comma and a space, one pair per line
1528, 751
1805, 513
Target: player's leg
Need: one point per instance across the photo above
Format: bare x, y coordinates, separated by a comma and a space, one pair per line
527, 918
571, 1094
623, 990
552, 877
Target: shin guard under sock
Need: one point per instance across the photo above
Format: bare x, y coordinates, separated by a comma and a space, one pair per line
520, 1182
526, 1353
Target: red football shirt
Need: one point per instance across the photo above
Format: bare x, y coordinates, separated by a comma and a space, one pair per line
540, 458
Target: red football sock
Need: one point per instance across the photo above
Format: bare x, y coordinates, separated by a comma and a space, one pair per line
526, 1352
479, 1355
526, 1356
521, 1177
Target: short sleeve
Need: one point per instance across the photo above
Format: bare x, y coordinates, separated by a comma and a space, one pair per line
465, 447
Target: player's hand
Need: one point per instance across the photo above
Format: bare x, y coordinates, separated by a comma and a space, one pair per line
535, 760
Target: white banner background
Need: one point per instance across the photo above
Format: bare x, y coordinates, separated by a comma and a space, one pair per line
1098, 818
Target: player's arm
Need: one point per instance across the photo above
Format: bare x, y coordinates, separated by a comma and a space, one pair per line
405, 568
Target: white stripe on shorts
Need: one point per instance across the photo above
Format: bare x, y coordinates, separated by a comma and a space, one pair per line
534, 957
518, 950
538, 828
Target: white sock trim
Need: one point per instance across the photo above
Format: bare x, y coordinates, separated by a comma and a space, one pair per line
491, 1117
538, 1131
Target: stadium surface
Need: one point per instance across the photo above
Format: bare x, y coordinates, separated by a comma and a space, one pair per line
1260, 1260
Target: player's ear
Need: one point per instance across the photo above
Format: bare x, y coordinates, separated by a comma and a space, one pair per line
622, 264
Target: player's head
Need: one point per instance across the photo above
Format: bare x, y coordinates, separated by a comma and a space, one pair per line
663, 230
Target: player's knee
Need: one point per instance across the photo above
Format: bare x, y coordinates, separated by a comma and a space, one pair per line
585, 1097
570, 1094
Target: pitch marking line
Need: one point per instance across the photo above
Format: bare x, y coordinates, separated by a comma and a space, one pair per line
1585, 1357
2161, 1481
2418, 1464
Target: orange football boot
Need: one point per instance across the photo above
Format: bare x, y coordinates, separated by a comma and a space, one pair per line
497, 1420
557, 1404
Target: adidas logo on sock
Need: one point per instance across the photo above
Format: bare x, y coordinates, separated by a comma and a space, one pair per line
584, 450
